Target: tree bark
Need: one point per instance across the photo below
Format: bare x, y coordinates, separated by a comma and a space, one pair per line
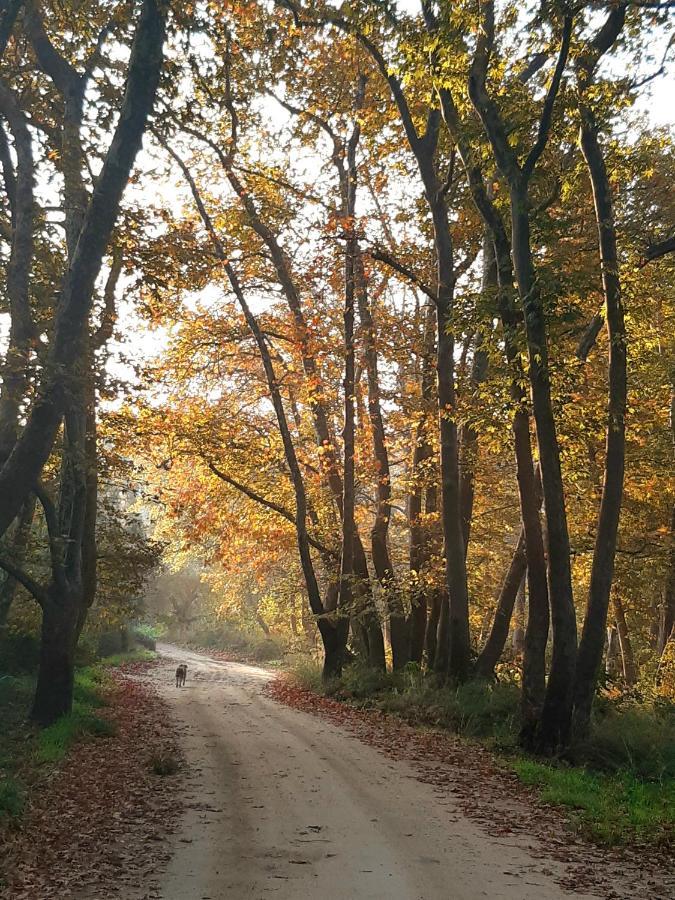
518, 638
589, 657
54, 690
494, 646
627, 658
382, 564
420, 538
666, 624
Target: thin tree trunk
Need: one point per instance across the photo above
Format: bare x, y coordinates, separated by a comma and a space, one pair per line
479, 368
555, 721
589, 657
455, 649
666, 625
627, 658
612, 652
494, 646
420, 539
348, 501
382, 564
518, 638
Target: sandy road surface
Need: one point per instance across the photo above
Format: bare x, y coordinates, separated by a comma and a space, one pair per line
284, 805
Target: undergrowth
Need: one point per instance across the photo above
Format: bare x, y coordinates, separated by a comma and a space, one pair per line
618, 785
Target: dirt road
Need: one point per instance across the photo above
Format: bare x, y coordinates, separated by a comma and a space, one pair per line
284, 805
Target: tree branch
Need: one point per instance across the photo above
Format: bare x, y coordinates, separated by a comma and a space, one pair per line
269, 504
549, 103
655, 251
382, 255
32, 586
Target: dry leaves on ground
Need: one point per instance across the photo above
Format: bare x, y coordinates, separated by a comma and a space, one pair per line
96, 824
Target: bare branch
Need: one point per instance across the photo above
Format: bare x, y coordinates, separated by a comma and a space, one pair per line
382, 255
32, 586
269, 504
655, 251
549, 103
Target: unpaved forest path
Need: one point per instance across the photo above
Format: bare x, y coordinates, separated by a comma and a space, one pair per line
283, 804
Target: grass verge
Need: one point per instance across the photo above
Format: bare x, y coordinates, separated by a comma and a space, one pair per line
618, 786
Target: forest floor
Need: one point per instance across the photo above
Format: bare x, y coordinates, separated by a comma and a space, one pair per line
273, 790
96, 811
294, 795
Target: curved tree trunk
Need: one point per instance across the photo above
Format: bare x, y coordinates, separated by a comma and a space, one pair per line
589, 658
494, 646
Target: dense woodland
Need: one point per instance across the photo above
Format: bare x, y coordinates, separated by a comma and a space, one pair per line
376, 331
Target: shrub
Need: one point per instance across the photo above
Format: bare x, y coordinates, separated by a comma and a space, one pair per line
145, 635
361, 682
12, 798
19, 652
307, 673
164, 763
640, 740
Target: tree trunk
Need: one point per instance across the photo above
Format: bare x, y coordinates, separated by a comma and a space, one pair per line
612, 654
627, 658
54, 691
479, 368
555, 721
518, 638
589, 657
345, 601
420, 538
492, 651
666, 623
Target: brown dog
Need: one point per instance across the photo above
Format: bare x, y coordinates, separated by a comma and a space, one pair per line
181, 675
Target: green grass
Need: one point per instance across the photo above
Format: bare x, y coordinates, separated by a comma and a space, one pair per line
55, 741
140, 654
613, 809
618, 785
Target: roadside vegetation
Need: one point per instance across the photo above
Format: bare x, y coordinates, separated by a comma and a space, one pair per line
618, 784
28, 752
